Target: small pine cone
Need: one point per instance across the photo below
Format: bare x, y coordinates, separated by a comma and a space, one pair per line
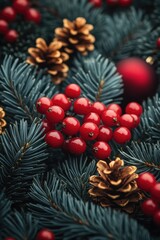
75, 36
115, 186
2, 121
50, 57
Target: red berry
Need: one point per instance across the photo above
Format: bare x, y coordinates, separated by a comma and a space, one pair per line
158, 43
136, 120
77, 146
3, 27
156, 218
126, 120
11, 36
98, 108
125, 3
8, 14
89, 131
122, 135
115, 107
105, 134
155, 192
47, 126
54, 139
55, 114
92, 117
112, 2
43, 104
20, 6
45, 234
71, 126
149, 207
73, 91
33, 15
110, 118
146, 181
101, 150
82, 106
134, 108
62, 101
96, 3
65, 146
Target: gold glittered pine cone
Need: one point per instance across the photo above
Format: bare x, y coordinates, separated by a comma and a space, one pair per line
115, 186
2, 121
75, 36
51, 57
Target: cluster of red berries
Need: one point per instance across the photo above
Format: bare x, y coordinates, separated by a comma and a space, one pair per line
44, 234
91, 122
9, 13
151, 206
120, 3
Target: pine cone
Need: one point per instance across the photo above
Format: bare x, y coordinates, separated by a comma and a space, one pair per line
115, 186
50, 57
75, 36
2, 121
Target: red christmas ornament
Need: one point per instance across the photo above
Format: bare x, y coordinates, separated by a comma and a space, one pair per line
62, 101
122, 135
155, 192
11, 36
125, 3
158, 43
3, 27
54, 138
73, 91
33, 15
45, 234
8, 14
149, 207
96, 3
112, 2
20, 6
101, 150
70, 126
138, 78
55, 114
77, 146
89, 131
43, 104
146, 181
156, 218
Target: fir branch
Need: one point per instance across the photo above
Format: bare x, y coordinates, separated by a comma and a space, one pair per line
70, 218
5, 207
23, 156
21, 86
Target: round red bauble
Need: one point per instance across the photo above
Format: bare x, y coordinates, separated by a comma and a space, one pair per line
45, 234
3, 27
33, 15
11, 36
20, 6
155, 192
125, 3
158, 43
8, 14
138, 78
146, 181
96, 3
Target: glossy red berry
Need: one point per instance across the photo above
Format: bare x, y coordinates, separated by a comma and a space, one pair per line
121, 135
146, 181
149, 207
3, 27
45, 234
136, 120
33, 15
98, 107
155, 192
92, 117
11, 36
8, 14
126, 120
96, 3
20, 6
110, 118
105, 134
158, 43
54, 139
55, 114
112, 2
101, 150
125, 3
62, 101
70, 126
156, 218
134, 108
73, 91
115, 107
46, 125
77, 146
43, 104
89, 131
82, 106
